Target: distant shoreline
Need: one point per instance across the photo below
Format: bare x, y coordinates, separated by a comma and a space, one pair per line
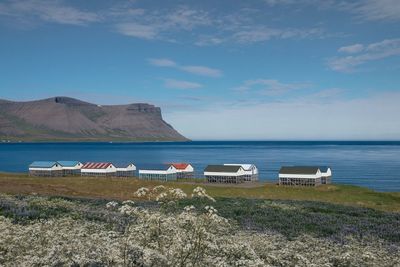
300, 142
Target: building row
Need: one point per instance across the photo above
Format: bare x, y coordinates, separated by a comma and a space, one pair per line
166, 172
227, 173
224, 174
66, 168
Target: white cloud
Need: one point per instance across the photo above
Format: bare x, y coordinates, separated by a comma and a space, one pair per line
385, 10
179, 84
355, 48
205, 28
371, 52
270, 86
45, 10
198, 70
157, 23
137, 30
366, 118
209, 40
201, 70
162, 62
367, 10
199, 26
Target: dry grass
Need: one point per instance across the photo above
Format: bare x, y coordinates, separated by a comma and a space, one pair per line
123, 188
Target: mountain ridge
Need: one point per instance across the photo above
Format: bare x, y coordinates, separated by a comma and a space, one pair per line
63, 118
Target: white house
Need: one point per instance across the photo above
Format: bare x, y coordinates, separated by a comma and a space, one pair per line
98, 169
300, 175
70, 167
326, 174
127, 170
45, 168
159, 172
183, 170
232, 174
251, 171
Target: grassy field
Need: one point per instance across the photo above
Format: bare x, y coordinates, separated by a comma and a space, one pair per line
122, 189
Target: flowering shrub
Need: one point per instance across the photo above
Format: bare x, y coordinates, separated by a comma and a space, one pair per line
171, 194
111, 205
194, 236
142, 192
200, 192
163, 194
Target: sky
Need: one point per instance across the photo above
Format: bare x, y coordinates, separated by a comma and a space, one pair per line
220, 70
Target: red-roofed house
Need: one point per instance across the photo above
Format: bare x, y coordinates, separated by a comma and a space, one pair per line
98, 169
183, 170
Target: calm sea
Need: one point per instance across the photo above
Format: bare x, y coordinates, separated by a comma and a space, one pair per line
372, 164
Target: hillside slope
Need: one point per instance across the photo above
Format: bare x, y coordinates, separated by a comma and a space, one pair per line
69, 119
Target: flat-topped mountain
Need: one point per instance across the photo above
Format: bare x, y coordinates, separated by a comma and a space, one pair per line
69, 119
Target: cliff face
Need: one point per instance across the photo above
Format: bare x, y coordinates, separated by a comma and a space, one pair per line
69, 119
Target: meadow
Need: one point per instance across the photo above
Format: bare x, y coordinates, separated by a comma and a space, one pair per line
75, 221
167, 227
123, 189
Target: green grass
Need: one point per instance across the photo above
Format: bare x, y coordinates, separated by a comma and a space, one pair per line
290, 218
293, 218
123, 188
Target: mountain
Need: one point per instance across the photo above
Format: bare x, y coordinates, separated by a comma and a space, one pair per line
69, 119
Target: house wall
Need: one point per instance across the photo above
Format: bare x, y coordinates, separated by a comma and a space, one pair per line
241, 172
129, 173
300, 181
224, 179
45, 172
158, 176
300, 176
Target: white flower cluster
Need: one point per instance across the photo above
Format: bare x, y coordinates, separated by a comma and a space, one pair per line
171, 194
142, 192
188, 238
200, 192
163, 194
112, 205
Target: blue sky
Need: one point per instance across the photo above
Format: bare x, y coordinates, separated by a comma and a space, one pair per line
260, 69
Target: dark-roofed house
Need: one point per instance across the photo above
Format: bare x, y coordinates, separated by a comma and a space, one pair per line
230, 174
326, 174
45, 168
251, 171
98, 169
70, 167
125, 170
300, 175
161, 172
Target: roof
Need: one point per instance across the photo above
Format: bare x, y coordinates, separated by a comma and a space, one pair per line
157, 167
324, 168
42, 164
246, 166
96, 165
123, 165
298, 170
68, 163
222, 168
180, 166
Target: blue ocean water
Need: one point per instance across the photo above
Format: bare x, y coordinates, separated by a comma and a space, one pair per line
371, 164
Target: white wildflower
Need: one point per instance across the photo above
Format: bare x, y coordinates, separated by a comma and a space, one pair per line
141, 192
189, 208
200, 192
128, 202
112, 205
